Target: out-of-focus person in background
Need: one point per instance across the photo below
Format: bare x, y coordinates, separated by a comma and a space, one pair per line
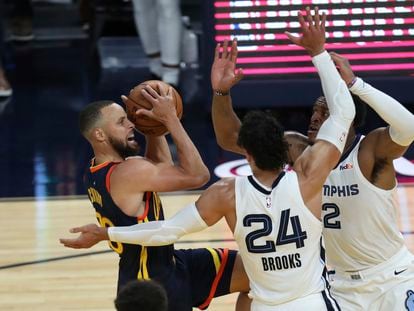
160, 29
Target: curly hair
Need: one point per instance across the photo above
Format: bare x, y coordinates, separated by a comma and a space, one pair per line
262, 137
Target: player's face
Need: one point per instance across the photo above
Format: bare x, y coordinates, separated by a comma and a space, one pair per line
320, 113
120, 131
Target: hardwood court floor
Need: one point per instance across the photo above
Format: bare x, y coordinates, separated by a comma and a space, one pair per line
37, 273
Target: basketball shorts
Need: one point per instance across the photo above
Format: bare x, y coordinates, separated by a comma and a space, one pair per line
315, 302
199, 276
387, 286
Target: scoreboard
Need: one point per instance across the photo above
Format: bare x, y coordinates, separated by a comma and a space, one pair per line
377, 36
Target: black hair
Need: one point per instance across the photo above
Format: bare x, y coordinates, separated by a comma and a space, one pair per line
360, 109
145, 295
91, 114
262, 137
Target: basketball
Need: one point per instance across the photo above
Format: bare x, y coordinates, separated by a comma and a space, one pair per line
136, 100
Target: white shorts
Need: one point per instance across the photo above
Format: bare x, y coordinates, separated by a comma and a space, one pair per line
315, 302
387, 286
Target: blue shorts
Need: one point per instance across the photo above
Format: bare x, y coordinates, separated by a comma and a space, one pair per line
200, 275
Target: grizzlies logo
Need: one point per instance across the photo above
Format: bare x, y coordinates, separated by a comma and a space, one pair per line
409, 301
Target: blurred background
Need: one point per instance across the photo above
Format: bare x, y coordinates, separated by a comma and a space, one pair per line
59, 55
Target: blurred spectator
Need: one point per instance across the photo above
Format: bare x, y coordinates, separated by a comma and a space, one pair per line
160, 29
21, 24
5, 88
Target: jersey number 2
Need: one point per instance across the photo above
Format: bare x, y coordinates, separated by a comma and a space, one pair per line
298, 236
328, 221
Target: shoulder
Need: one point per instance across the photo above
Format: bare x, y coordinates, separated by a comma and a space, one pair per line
296, 137
221, 191
297, 143
223, 186
131, 168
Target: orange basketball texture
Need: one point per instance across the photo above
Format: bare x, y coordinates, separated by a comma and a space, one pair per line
136, 100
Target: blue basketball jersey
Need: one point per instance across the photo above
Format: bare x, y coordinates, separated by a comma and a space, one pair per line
136, 261
193, 275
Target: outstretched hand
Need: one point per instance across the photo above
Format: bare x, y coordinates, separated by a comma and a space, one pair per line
90, 235
344, 67
313, 32
224, 74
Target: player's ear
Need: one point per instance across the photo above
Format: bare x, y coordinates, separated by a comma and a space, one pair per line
98, 134
249, 157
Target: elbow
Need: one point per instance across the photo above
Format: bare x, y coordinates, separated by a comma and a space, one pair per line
228, 143
199, 180
203, 178
222, 143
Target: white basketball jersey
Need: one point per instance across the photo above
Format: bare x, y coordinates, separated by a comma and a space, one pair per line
360, 219
279, 240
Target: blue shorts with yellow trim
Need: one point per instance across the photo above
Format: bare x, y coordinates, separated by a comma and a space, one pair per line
200, 274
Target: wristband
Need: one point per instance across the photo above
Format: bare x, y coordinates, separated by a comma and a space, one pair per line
351, 84
221, 93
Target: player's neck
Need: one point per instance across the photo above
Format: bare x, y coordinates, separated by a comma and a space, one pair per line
102, 157
266, 177
350, 139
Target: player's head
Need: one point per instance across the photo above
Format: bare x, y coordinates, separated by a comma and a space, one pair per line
105, 124
261, 136
142, 295
320, 113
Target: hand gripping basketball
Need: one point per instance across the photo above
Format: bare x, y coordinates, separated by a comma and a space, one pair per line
136, 100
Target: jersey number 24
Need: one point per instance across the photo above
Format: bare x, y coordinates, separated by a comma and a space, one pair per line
298, 236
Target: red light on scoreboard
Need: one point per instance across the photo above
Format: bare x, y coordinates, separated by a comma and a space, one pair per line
377, 36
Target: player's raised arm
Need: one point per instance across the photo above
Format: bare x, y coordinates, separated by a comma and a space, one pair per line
189, 172
314, 165
224, 76
387, 143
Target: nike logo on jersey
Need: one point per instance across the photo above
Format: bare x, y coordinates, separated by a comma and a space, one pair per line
340, 191
398, 272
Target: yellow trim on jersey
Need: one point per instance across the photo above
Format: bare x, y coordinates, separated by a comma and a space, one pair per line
216, 258
106, 222
157, 206
143, 269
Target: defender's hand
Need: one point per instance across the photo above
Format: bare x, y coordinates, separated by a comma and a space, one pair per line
313, 32
344, 67
223, 71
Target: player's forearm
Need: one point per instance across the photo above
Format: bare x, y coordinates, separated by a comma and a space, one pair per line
339, 101
157, 233
334, 88
157, 149
401, 121
189, 159
226, 123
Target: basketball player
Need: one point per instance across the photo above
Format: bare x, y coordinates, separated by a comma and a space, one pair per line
122, 188
373, 268
274, 215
